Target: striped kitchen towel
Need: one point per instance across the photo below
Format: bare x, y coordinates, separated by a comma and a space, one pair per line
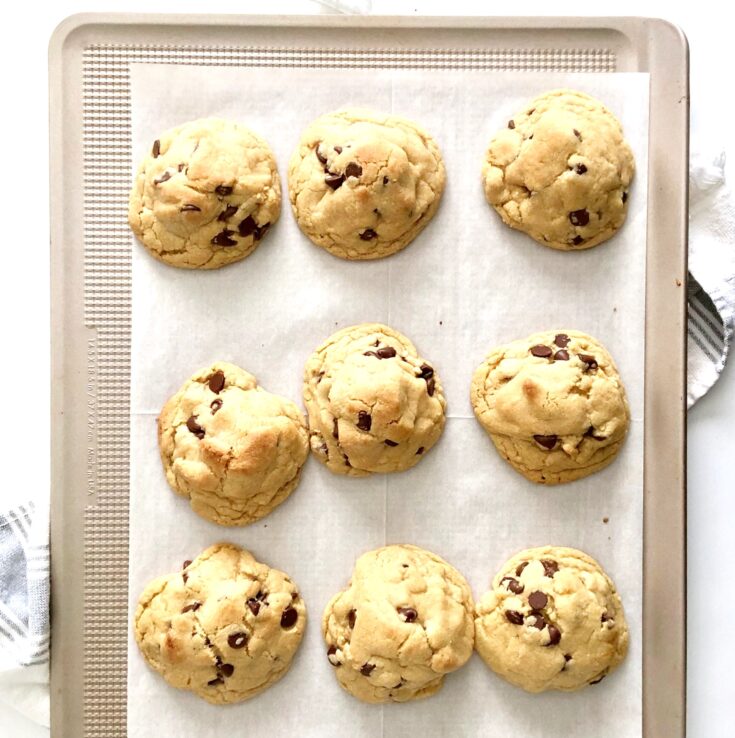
711, 289
24, 609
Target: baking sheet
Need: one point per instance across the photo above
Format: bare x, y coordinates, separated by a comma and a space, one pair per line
464, 285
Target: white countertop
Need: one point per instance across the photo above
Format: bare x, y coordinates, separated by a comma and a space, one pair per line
25, 303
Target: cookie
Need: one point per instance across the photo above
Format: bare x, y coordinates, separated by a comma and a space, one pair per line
552, 620
233, 449
226, 627
403, 623
205, 194
561, 171
374, 404
553, 405
363, 184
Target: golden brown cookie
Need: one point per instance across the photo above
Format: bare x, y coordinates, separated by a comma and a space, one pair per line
226, 627
553, 405
552, 620
235, 450
374, 404
205, 194
402, 624
561, 171
363, 184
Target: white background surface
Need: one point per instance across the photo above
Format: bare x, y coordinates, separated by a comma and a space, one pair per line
442, 276
24, 299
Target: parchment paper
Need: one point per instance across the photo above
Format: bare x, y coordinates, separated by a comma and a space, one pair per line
466, 284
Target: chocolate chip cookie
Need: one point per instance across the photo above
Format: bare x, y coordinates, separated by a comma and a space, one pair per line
363, 184
553, 405
205, 194
374, 404
561, 171
403, 623
552, 620
226, 627
233, 449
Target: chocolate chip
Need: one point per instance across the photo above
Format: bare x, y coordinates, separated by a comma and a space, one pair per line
561, 340
156, 150
386, 180
547, 442
514, 617
561, 355
194, 427
237, 640
530, 137
537, 621
228, 212
580, 169
577, 240
364, 421
254, 604
604, 617
521, 567
590, 433
289, 617
223, 190
338, 149
430, 386
181, 167
367, 669
247, 226
540, 351
216, 405
554, 635
190, 208
335, 428
567, 657
192, 607
597, 681
261, 231
550, 567
537, 600
426, 372
334, 180
577, 134
409, 614
625, 197
186, 563
223, 238
353, 169
351, 617
319, 155
513, 585
294, 596
227, 670
368, 234
511, 124
388, 442
163, 178
386, 352
331, 651
590, 361
579, 217
217, 382
216, 681
420, 450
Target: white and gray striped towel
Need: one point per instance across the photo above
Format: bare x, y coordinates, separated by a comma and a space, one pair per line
24, 610
711, 289
24, 553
